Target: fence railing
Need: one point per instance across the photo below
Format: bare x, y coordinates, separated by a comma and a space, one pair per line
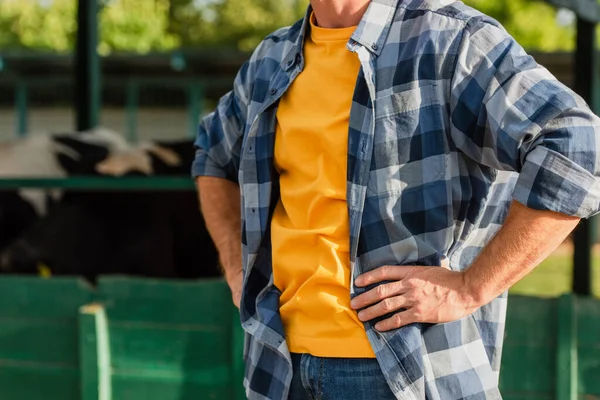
158, 183
194, 89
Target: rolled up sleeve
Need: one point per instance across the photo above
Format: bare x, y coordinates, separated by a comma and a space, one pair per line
509, 113
219, 140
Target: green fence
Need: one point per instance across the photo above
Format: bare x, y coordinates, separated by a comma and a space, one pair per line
194, 89
146, 339
98, 183
127, 339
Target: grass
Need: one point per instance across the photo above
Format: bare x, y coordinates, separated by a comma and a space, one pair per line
553, 277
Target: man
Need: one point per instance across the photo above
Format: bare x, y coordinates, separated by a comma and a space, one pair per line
400, 164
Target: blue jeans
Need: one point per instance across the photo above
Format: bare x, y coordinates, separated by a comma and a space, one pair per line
317, 378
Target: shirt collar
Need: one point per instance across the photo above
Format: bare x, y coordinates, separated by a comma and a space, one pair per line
372, 31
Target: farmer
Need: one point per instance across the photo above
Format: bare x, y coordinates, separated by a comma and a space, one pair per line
380, 175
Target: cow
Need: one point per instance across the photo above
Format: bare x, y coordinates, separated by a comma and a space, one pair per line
40, 156
137, 233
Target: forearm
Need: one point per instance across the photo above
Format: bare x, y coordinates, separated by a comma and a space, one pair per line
220, 205
526, 238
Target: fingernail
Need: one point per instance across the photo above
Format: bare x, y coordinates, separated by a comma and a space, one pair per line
378, 326
361, 315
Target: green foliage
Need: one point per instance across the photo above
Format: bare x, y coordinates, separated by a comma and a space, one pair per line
532, 23
240, 24
29, 24
50, 25
158, 25
136, 25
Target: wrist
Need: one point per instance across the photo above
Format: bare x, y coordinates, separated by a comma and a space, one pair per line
231, 264
474, 291
232, 273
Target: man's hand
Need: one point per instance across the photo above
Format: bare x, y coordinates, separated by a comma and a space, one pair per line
434, 294
235, 282
419, 294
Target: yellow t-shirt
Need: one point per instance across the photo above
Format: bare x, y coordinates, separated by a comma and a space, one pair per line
310, 225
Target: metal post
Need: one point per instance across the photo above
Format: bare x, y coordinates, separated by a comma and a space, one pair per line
22, 108
195, 108
585, 76
132, 107
87, 66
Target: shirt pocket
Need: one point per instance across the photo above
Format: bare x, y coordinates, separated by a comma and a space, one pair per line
410, 145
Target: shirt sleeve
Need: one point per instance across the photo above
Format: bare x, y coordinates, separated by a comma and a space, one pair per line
509, 113
219, 140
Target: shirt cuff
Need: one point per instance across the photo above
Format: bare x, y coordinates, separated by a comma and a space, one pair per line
550, 181
204, 166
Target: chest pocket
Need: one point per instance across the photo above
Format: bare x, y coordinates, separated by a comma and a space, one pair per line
409, 144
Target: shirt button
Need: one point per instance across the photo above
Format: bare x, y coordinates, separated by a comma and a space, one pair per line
289, 64
374, 46
273, 91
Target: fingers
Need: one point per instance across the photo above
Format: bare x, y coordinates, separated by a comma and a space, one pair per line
384, 307
377, 294
397, 320
385, 273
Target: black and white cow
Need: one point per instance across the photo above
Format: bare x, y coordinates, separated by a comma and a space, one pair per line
40, 156
91, 233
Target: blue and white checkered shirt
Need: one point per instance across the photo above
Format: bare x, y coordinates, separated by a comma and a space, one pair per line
450, 121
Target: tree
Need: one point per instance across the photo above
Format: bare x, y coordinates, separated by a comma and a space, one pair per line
50, 25
136, 25
37, 25
160, 25
240, 24
532, 23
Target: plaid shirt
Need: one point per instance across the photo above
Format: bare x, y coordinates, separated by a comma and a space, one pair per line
450, 121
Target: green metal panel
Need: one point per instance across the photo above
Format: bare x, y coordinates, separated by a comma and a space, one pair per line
146, 339
528, 357
170, 301
140, 388
566, 352
552, 349
38, 382
170, 348
169, 339
588, 339
237, 360
38, 337
32, 297
28, 340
